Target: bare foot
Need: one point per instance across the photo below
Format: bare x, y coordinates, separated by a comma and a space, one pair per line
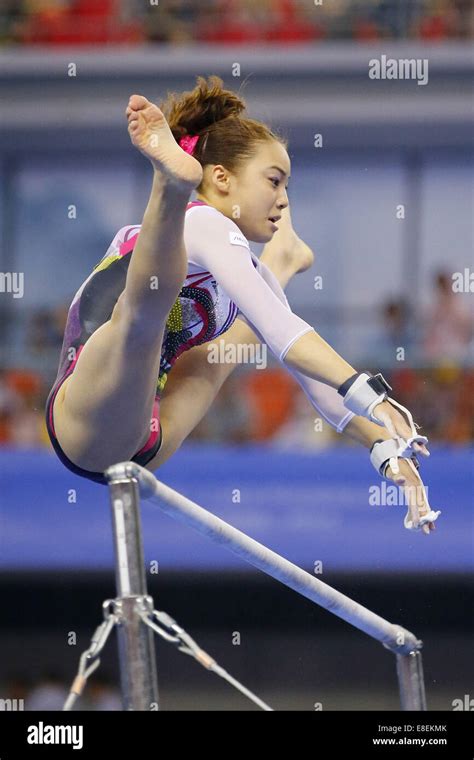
287, 254
150, 133
301, 257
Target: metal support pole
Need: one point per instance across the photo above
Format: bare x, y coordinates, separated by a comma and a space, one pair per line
411, 681
135, 639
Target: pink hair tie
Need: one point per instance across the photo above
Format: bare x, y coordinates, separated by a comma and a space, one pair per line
188, 143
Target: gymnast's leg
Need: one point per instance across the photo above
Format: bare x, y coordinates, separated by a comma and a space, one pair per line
102, 412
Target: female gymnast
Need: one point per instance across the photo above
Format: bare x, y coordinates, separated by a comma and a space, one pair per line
185, 279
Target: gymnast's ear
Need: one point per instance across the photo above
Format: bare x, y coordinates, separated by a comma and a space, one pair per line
218, 177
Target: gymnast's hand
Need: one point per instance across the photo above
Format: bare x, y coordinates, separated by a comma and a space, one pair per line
414, 490
397, 425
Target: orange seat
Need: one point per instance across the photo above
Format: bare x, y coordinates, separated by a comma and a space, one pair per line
272, 397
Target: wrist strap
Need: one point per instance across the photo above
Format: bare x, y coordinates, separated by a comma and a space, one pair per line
382, 452
342, 390
387, 452
362, 392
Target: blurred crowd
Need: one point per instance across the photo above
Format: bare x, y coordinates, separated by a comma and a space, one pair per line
99, 22
49, 692
427, 358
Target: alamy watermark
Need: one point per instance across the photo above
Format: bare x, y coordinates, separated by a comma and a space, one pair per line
41, 733
12, 282
12, 705
464, 703
463, 282
391, 495
399, 68
238, 353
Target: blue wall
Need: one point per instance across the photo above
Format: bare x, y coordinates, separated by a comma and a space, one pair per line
308, 507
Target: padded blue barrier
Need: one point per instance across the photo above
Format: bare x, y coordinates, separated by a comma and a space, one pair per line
323, 507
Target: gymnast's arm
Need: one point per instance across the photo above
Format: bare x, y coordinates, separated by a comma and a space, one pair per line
194, 383
215, 242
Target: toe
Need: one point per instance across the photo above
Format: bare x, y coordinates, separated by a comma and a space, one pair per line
137, 102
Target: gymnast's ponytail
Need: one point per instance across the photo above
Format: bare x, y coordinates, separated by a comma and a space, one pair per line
216, 116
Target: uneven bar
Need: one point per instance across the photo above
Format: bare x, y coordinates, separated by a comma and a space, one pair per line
400, 641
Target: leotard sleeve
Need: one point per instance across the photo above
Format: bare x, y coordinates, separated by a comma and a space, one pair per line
214, 242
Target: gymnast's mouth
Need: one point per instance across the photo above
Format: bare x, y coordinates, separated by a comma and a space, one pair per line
274, 219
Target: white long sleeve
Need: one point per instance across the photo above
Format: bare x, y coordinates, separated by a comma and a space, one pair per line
214, 242
325, 399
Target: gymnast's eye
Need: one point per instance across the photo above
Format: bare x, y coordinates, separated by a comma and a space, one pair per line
273, 180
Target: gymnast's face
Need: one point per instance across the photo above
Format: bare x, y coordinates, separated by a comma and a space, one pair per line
255, 193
